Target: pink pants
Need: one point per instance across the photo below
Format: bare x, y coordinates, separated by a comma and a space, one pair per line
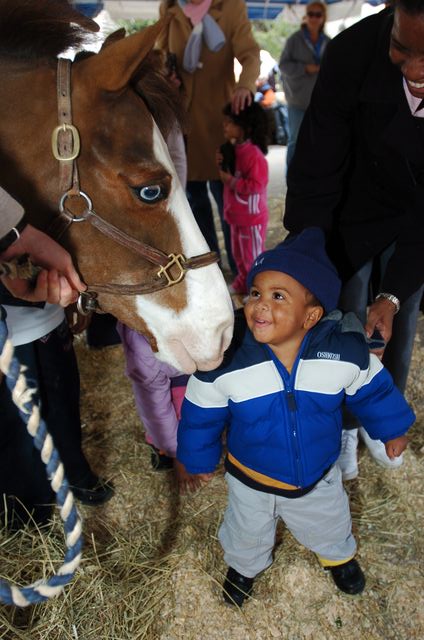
246, 244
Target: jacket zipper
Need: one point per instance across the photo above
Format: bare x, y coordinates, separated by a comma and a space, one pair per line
289, 392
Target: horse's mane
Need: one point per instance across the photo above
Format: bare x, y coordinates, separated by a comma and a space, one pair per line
39, 29
165, 102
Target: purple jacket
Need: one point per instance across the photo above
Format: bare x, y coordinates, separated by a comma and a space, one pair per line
153, 382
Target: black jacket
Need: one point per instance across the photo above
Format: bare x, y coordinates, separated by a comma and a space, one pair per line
358, 170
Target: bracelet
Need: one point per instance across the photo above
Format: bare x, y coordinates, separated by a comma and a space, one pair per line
13, 235
391, 298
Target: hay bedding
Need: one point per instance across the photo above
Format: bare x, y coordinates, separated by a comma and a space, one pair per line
152, 565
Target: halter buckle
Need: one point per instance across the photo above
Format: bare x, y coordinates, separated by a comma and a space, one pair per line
177, 260
87, 303
75, 146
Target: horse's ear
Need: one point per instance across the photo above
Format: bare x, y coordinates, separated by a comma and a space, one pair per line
114, 37
117, 62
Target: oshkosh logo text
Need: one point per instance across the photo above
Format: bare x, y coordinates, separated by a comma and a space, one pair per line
328, 356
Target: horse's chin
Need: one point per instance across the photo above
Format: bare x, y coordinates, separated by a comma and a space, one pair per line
177, 355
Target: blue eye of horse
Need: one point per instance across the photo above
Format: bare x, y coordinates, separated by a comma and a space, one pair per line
151, 193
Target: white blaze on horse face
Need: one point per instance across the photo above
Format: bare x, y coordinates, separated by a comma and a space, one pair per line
197, 336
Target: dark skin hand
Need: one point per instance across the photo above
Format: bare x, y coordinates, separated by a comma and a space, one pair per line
189, 482
396, 446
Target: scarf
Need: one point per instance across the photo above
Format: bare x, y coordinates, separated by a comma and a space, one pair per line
204, 28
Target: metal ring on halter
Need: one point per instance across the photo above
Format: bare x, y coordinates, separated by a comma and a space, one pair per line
69, 213
86, 303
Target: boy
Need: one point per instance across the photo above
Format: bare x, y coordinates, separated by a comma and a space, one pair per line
280, 390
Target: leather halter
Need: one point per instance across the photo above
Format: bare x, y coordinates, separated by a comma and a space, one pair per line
65, 148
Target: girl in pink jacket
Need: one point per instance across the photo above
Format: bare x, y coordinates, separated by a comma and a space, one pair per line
245, 178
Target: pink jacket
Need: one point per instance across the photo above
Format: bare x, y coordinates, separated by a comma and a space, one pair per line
245, 197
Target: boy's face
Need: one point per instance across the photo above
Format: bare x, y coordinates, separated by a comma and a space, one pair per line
278, 310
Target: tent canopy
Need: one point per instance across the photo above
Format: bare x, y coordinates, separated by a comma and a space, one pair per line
270, 9
257, 9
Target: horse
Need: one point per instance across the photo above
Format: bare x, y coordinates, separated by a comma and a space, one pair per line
81, 148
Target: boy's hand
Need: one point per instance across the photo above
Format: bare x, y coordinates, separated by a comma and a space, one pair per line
396, 446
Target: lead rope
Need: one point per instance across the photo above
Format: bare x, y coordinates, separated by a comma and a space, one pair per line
41, 590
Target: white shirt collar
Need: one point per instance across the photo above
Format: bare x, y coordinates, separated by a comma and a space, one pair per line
413, 102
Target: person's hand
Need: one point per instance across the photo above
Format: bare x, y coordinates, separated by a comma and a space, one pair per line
219, 158
242, 98
396, 446
310, 69
189, 482
225, 177
380, 316
58, 283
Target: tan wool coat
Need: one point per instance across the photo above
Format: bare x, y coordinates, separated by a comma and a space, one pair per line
211, 86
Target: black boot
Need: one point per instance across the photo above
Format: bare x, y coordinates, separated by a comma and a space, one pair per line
348, 577
93, 493
160, 461
236, 588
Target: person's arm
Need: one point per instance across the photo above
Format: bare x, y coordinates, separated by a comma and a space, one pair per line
255, 174
403, 276
289, 66
246, 50
204, 415
57, 283
373, 397
317, 173
11, 217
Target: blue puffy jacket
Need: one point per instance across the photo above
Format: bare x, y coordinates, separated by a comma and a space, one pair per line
284, 426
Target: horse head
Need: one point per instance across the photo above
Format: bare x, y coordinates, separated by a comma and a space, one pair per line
125, 169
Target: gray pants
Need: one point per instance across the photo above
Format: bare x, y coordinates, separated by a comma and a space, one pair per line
320, 521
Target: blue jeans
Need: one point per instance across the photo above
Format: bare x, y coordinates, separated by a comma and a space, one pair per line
295, 117
197, 194
398, 353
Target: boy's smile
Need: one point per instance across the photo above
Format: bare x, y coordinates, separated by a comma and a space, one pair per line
279, 311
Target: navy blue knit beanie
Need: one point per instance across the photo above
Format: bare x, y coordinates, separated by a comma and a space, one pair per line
303, 257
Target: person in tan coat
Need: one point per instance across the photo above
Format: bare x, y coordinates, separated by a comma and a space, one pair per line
206, 36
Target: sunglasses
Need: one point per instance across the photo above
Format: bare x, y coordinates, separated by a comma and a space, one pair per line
314, 14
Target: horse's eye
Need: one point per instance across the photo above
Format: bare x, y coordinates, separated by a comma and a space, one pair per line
151, 193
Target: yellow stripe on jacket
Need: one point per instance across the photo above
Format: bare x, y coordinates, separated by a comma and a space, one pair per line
260, 477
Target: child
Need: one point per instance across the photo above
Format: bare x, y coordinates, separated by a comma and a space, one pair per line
245, 198
159, 392
280, 391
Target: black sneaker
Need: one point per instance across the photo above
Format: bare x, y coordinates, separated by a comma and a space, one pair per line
236, 588
348, 577
160, 461
96, 494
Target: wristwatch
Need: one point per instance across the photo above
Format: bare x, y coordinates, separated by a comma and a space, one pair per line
392, 298
13, 235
